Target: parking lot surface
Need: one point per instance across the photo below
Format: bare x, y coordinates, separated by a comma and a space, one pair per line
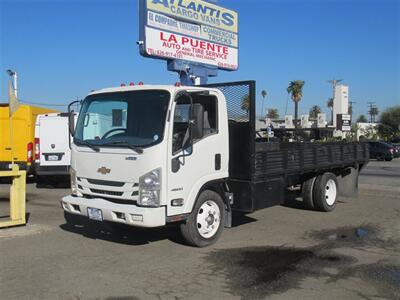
284, 252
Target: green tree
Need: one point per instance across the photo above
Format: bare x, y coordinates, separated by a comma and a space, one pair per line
295, 89
329, 104
273, 113
314, 111
389, 128
362, 119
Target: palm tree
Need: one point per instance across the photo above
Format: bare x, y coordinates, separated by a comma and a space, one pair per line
314, 111
329, 103
273, 113
246, 104
350, 109
263, 94
295, 88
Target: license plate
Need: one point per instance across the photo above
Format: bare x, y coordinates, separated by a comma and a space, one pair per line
52, 158
95, 214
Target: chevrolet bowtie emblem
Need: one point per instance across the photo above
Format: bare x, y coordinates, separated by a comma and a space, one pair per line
103, 170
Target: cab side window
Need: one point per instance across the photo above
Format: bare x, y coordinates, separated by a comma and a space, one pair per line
181, 125
181, 135
210, 105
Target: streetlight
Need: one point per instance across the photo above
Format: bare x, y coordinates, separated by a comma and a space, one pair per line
14, 76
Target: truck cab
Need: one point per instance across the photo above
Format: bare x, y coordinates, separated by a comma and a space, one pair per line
141, 156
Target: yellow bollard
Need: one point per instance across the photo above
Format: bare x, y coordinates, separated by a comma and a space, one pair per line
17, 197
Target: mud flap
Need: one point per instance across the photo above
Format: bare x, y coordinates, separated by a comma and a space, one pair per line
228, 210
228, 219
348, 182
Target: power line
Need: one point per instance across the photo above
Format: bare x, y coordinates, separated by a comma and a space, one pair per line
43, 104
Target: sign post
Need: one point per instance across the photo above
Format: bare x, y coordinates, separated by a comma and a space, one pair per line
196, 38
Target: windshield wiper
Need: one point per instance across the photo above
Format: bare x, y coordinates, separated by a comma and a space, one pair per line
84, 143
137, 149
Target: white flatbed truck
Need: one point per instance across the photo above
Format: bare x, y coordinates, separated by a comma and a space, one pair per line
191, 155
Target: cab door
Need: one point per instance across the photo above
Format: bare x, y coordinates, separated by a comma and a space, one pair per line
194, 159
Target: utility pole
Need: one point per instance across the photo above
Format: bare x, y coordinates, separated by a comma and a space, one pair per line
14, 76
334, 83
351, 105
371, 106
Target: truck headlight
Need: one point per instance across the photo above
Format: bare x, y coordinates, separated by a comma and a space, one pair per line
74, 188
150, 189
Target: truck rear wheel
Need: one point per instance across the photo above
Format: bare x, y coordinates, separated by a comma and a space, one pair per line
206, 222
325, 192
307, 193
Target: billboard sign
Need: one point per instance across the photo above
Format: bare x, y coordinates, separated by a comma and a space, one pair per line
343, 122
191, 30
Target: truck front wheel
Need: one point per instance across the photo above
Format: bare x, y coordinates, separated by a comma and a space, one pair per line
206, 222
325, 192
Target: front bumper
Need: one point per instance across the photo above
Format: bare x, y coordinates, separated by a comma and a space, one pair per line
119, 213
51, 170
23, 166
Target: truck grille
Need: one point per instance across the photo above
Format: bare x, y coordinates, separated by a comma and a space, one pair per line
109, 193
105, 182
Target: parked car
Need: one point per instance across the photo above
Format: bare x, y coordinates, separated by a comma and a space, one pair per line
381, 151
396, 149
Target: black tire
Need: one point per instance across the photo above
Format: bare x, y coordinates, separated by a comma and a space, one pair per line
380, 157
322, 201
388, 158
190, 230
307, 193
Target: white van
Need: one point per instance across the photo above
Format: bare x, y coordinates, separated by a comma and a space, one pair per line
52, 155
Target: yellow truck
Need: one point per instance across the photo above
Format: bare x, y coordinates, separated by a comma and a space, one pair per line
23, 136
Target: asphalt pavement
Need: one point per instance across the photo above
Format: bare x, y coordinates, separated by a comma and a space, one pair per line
284, 252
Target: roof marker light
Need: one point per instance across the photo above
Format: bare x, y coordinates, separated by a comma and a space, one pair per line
132, 84
123, 84
140, 83
177, 84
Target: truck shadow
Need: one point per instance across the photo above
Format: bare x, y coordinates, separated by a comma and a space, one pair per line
293, 200
53, 183
132, 236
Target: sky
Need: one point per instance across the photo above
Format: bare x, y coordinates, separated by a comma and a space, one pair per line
63, 49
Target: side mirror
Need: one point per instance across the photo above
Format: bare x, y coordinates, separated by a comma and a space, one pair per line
197, 122
71, 117
71, 121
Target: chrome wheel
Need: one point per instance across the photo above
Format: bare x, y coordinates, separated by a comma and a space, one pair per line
330, 192
208, 219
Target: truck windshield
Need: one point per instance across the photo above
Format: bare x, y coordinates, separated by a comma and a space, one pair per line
123, 119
